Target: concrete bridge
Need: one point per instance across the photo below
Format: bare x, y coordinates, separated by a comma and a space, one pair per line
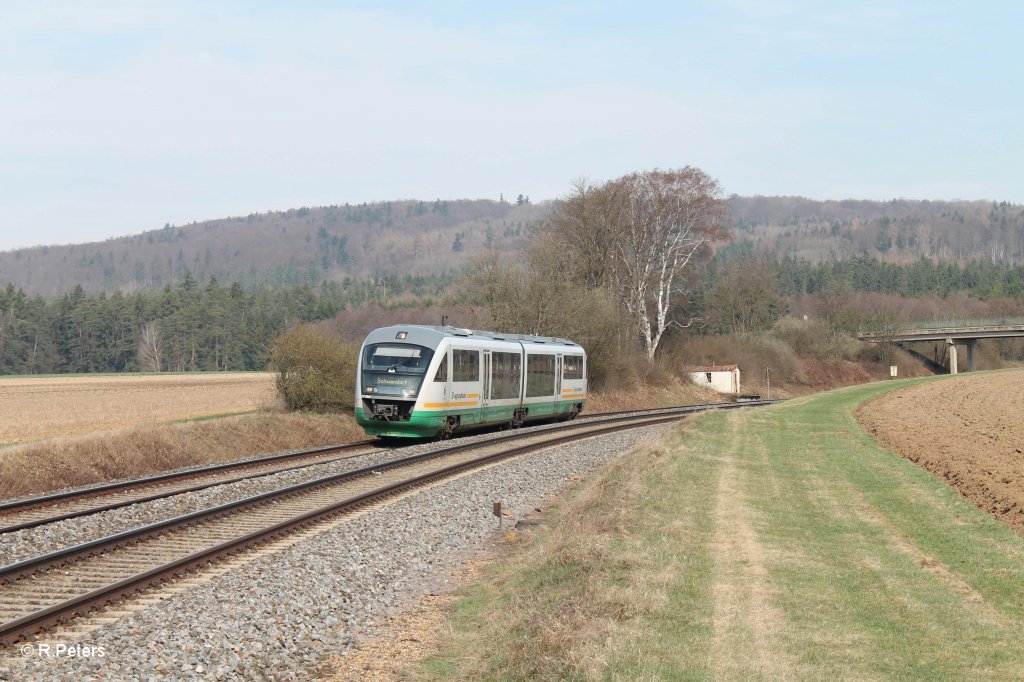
963, 334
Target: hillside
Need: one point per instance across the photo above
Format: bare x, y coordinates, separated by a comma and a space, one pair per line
897, 231
313, 245
305, 245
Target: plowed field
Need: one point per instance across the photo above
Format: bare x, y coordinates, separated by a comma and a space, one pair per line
968, 431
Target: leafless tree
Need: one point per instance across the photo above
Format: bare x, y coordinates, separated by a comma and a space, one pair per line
150, 347
634, 237
666, 217
584, 230
607, 265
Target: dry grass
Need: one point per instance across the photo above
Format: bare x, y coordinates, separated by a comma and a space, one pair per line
561, 593
641, 397
36, 408
40, 467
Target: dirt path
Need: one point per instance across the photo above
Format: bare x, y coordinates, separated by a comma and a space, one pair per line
744, 618
967, 431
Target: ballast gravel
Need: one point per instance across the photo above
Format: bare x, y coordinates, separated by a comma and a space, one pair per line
279, 616
31, 542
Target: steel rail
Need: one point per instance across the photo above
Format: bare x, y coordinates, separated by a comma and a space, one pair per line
27, 505
13, 630
159, 478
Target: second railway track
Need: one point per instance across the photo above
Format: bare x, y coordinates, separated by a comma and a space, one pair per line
37, 511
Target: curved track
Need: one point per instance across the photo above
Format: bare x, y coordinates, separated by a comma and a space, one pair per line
37, 511
51, 588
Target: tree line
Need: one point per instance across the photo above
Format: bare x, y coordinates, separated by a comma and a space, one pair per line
184, 327
564, 288
980, 278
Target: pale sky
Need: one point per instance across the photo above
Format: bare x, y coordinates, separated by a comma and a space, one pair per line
118, 117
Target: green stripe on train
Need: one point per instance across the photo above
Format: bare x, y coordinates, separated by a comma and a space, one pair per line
428, 423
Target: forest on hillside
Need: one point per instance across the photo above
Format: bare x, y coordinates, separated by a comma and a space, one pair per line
206, 326
899, 230
313, 245
282, 248
213, 296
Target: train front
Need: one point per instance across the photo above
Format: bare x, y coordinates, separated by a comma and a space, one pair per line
393, 364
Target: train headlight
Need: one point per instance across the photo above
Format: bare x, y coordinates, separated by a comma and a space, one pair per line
408, 392
371, 389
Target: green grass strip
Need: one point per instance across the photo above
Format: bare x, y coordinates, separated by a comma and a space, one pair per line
777, 543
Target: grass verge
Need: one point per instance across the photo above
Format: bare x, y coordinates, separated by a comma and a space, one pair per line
779, 543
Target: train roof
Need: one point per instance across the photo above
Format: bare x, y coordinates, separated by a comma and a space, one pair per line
430, 336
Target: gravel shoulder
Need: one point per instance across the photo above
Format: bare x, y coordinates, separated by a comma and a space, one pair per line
968, 431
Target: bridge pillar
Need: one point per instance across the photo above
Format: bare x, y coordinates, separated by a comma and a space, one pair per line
952, 356
970, 354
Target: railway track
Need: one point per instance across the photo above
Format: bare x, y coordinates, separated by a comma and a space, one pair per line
36, 511
41, 591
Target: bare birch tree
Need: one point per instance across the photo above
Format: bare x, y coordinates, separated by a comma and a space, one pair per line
608, 264
667, 217
150, 347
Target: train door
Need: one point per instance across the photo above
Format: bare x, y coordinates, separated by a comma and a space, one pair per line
558, 380
485, 394
445, 375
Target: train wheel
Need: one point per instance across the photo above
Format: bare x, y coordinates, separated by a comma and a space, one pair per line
450, 424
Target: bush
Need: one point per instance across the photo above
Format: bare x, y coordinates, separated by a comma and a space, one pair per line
315, 371
808, 339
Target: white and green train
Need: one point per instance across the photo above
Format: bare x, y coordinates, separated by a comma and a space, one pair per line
426, 382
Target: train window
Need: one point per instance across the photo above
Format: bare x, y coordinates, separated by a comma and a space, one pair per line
404, 358
442, 371
572, 367
540, 375
506, 375
465, 365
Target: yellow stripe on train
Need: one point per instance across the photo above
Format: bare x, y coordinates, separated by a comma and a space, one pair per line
433, 406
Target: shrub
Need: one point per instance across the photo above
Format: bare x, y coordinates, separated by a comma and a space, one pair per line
808, 339
315, 371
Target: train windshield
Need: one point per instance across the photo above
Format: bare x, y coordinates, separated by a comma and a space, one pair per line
395, 358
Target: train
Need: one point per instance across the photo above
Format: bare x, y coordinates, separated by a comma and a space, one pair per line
418, 381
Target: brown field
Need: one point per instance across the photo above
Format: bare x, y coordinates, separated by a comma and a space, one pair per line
967, 431
38, 408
